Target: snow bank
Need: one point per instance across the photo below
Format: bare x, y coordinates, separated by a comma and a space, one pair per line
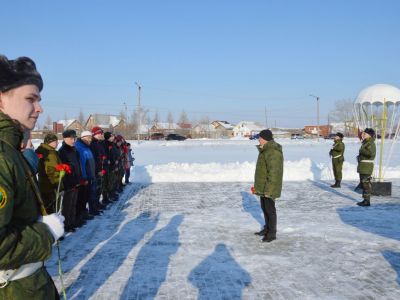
301, 170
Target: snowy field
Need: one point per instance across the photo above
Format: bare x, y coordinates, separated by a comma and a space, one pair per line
184, 230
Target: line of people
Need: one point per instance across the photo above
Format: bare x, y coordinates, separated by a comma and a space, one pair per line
99, 162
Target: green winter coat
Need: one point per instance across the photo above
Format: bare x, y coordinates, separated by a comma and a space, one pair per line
22, 239
337, 151
366, 157
48, 176
269, 170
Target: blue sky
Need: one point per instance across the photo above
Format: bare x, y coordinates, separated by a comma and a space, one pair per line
222, 59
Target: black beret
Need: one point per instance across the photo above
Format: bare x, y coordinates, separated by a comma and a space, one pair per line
69, 133
18, 72
339, 134
266, 134
370, 131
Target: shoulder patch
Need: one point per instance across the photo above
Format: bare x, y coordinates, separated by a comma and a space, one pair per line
3, 197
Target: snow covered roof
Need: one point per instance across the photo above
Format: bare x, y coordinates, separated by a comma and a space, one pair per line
66, 123
161, 125
379, 93
224, 124
247, 126
104, 121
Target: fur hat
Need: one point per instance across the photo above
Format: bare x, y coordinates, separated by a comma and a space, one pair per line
18, 72
50, 137
97, 130
69, 133
370, 131
86, 133
266, 134
339, 134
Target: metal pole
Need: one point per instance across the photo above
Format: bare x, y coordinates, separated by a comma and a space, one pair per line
316, 97
139, 110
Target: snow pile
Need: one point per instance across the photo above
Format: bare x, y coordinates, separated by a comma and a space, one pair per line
301, 170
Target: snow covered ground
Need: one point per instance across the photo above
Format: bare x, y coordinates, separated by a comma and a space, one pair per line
177, 234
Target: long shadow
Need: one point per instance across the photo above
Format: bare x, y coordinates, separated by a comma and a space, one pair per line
394, 259
219, 276
151, 265
78, 245
95, 272
325, 186
251, 206
380, 219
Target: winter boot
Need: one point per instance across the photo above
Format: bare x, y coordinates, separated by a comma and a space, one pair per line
365, 202
261, 233
267, 239
336, 185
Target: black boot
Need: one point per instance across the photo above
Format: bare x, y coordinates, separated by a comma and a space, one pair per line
261, 233
267, 239
336, 185
365, 202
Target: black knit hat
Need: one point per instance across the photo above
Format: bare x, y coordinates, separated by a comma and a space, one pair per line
370, 131
69, 133
18, 72
339, 134
107, 135
50, 137
266, 134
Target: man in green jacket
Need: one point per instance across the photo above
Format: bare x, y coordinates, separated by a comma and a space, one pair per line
268, 181
337, 154
365, 165
26, 237
48, 175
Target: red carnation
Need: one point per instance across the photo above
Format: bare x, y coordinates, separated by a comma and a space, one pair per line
39, 155
104, 157
110, 147
63, 168
103, 172
252, 189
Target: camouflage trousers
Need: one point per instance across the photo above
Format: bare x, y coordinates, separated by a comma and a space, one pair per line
366, 186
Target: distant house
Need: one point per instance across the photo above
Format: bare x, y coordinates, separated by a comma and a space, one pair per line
164, 128
106, 122
247, 128
224, 129
204, 131
324, 130
61, 125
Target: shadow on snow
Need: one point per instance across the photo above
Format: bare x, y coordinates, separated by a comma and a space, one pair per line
380, 219
219, 276
95, 272
326, 187
151, 264
252, 206
394, 259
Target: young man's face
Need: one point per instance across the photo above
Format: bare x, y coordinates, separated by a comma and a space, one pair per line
365, 135
22, 104
99, 136
70, 141
262, 141
337, 138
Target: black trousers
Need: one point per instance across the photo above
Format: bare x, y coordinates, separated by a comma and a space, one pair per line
269, 210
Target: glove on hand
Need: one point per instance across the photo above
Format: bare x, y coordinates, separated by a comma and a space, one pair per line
55, 222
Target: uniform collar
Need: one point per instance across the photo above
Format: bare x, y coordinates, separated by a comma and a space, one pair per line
11, 130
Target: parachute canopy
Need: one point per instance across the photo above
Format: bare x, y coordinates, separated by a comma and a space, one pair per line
379, 93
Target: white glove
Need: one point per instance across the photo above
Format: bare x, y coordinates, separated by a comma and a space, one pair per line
55, 222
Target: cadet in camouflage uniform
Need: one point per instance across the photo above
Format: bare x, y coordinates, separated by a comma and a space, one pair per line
268, 181
48, 176
365, 165
337, 154
26, 237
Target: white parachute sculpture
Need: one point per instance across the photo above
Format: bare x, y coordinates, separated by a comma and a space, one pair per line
378, 107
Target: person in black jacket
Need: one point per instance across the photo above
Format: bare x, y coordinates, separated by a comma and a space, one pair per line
100, 156
70, 156
112, 155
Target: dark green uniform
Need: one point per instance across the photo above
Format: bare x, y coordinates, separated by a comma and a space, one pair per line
23, 240
365, 165
337, 154
268, 184
48, 176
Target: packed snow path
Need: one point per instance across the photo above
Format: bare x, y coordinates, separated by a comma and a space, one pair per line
196, 241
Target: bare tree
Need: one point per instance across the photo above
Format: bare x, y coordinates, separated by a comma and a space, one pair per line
81, 117
183, 118
156, 118
170, 119
48, 124
343, 111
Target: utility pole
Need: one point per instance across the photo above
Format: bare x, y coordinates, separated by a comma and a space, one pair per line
266, 118
316, 97
139, 111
